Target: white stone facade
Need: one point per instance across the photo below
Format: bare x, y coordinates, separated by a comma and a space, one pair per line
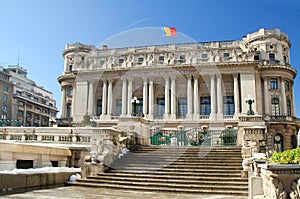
193, 85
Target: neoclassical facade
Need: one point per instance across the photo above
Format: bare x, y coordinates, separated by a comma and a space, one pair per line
194, 85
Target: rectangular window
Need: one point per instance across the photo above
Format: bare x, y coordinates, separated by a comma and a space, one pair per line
226, 55
6, 89
139, 106
102, 62
3, 116
18, 92
182, 59
287, 85
182, 106
205, 106
228, 105
272, 57
5, 98
50, 104
204, 56
99, 107
20, 113
28, 115
69, 91
4, 108
36, 118
256, 57
36, 99
121, 60
20, 103
274, 83
43, 102
28, 96
118, 110
160, 107
140, 60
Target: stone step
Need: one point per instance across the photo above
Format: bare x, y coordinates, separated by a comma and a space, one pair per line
188, 164
173, 179
169, 183
179, 173
181, 176
162, 187
165, 169
191, 167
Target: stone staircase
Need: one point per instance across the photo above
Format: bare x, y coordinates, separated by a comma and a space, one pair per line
199, 170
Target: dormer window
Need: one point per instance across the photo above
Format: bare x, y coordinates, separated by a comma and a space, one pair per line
161, 59
272, 56
182, 59
204, 56
121, 61
140, 60
226, 55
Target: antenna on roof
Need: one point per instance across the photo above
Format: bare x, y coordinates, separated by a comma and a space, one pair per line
19, 59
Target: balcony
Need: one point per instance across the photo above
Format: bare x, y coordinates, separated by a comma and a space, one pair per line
282, 118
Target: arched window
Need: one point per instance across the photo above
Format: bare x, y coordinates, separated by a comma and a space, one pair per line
289, 109
294, 141
275, 106
278, 142
68, 115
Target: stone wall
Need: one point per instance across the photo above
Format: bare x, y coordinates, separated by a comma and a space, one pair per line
11, 182
281, 181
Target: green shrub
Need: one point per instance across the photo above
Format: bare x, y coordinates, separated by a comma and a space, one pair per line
286, 157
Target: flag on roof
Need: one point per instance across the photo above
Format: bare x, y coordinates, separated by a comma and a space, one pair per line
169, 32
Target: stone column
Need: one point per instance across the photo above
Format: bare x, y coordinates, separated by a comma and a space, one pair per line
145, 95
293, 105
212, 97
151, 99
266, 96
110, 97
189, 97
220, 95
283, 97
173, 98
63, 102
124, 97
167, 97
91, 98
104, 97
196, 97
129, 97
236, 95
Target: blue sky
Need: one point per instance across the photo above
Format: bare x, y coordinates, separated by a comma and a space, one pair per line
39, 30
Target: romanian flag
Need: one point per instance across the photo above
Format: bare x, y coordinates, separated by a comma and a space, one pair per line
169, 32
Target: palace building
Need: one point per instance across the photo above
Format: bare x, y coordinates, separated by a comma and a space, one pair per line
209, 86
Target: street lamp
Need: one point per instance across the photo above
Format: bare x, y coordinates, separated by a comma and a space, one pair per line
134, 102
250, 101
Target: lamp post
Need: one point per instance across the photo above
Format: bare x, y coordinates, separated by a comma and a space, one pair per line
250, 101
134, 102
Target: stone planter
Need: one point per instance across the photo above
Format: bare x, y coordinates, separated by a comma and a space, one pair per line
281, 180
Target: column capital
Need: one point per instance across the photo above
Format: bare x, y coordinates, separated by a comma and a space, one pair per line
235, 75
145, 80
173, 78
212, 76
189, 77
130, 79
166, 78
196, 77
110, 80
219, 76
151, 79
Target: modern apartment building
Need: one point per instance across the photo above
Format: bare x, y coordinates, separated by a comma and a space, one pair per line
28, 103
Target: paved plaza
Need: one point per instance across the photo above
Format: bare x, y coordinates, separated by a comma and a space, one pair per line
90, 193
